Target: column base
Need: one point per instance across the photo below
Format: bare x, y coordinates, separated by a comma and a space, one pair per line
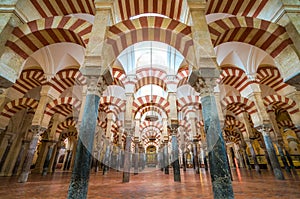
126, 177
23, 177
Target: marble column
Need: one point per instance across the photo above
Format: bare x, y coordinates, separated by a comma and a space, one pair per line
37, 130
20, 157
166, 156
246, 159
271, 152
106, 158
55, 158
195, 153
4, 156
67, 160
127, 162
183, 159
81, 172
175, 151
280, 146
162, 158
136, 156
219, 170
256, 165
47, 160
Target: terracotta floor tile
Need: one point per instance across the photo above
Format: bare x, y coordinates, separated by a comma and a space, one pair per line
153, 184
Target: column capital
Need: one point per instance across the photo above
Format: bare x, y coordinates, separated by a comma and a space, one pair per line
37, 130
204, 80
264, 129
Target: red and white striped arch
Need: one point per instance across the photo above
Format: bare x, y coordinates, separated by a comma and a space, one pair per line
265, 35
248, 8
28, 80
184, 124
183, 72
67, 78
69, 134
169, 8
151, 72
65, 125
118, 103
101, 124
286, 123
168, 31
51, 8
64, 106
234, 77
156, 124
182, 82
189, 109
281, 102
30, 37
151, 108
144, 101
150, 80
236, 103
271, 77
119, 74
118, 82
15, 106
191, 100
237, 124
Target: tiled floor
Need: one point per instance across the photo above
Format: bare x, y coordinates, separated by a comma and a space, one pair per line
152, 184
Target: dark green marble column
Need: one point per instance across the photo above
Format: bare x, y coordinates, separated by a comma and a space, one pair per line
219, 170
81, 172
176, 166
272, 154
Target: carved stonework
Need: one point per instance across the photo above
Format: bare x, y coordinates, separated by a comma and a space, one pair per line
205, 86
96, 85
264, 129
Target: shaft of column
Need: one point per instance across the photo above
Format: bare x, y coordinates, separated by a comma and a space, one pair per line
127, 163
256, 165
204, 82
47, 160
283, 159
30, 153
136, 158
166, 157
81, 172
195, 153
176, 166
271, 152
220, 176
7, 149
106, 158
